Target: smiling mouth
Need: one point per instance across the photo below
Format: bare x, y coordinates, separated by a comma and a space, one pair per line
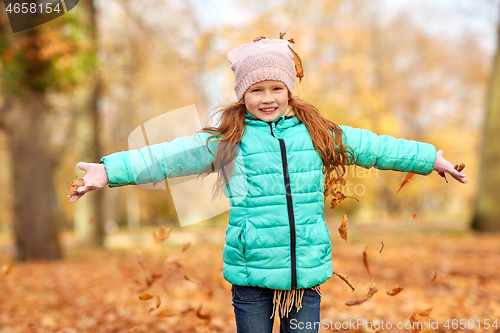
269, 110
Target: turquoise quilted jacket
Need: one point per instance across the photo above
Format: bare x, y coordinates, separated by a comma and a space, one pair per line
277, 236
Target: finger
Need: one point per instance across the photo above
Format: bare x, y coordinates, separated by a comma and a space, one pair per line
83, 166
440, 153
460, 176
84, 189
74, 198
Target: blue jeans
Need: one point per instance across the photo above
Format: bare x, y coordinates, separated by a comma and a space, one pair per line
253, 307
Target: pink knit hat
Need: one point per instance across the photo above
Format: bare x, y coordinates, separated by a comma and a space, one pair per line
261, 60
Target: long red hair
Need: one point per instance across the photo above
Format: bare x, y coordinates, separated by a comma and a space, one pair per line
231, 130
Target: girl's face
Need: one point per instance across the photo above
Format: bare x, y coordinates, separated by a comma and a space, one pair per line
266, 100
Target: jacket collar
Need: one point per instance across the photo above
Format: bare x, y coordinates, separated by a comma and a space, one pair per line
282, 122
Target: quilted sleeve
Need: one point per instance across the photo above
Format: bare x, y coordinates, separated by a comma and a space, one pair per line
181, 157
387, 153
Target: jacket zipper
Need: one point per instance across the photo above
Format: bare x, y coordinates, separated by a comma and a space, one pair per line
289, 204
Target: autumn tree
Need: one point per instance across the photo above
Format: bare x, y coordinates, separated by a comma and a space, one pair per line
487, 211
36, 65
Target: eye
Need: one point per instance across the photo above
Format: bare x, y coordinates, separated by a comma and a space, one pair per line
256, 90
278, 88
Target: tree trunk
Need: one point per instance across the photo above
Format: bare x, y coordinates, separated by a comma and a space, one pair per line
35, 217
487, 211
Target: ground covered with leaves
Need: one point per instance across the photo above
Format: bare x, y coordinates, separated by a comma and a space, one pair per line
170, 286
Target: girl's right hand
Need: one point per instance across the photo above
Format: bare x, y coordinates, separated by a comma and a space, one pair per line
95, 179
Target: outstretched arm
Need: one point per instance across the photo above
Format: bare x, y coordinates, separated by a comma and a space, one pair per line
387, 153
151, 164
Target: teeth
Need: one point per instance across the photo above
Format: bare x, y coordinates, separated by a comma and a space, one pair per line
266, 110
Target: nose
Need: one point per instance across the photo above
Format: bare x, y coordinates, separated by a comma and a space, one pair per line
268, 97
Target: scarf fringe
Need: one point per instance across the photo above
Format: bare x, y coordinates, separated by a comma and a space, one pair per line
284, 300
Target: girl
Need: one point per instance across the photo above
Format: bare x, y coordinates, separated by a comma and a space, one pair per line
272, 152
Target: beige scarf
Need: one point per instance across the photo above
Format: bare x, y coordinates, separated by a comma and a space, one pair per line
284, 300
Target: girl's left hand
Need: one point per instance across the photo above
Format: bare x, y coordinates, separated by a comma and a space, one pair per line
442, 165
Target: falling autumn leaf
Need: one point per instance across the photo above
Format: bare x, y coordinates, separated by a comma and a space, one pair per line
425, 313
6, 268
370, 290
442, 174
408, 177
185, 246
158, 303
282, 34
145, 297
291, 41
394, 291
416, 325
75, 184
459, 167
298, 64
381, 247
355, 301
365, 261
203, 316
343, 227
188, 279
415, 217
345, 279
160, 235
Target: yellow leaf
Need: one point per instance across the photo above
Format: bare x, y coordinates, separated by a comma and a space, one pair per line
343, 227
408, 177
145, 297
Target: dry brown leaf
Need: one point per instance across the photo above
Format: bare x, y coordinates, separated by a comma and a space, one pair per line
365, 261
160, 235
355, 301
75, 184
394, 291
425, 313
282, 34
345, 279
408, 177
291, 41
259, 38
459, 167
158, 303
343, 227
185, 246
145, 297
442, 174
370, 290
415, 217
202, 316
6, 268
298, 64
416, 325
188, 279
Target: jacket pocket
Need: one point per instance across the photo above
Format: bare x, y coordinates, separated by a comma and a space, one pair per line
247, 292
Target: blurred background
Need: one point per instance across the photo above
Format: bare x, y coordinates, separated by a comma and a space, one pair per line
74, 88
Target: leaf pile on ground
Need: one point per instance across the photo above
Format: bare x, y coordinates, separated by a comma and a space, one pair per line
174, 288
